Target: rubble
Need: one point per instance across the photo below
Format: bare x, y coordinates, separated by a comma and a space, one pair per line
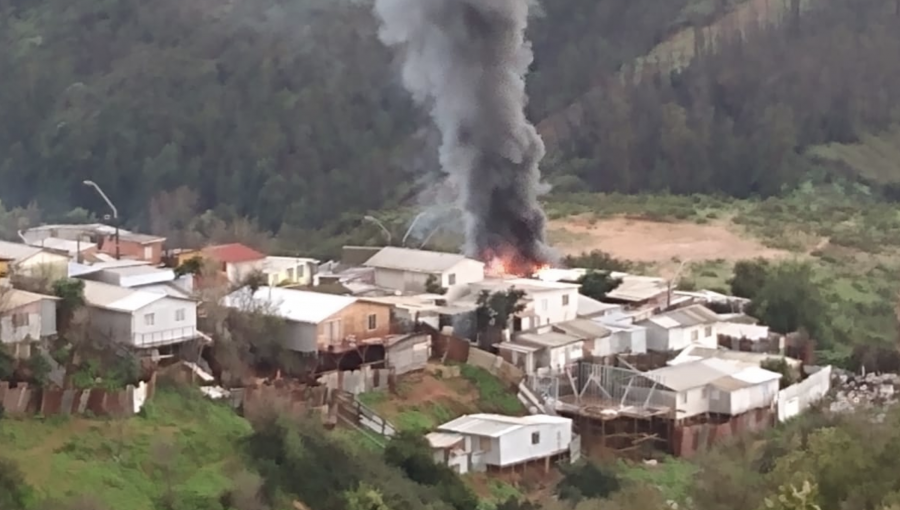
853, 392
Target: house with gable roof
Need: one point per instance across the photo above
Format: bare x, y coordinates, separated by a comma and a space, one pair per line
408, 270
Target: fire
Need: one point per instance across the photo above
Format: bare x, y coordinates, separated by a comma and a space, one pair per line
503, 266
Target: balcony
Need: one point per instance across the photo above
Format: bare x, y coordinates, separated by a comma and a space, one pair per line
166, 337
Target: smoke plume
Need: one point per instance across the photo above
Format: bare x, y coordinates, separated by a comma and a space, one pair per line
465, 61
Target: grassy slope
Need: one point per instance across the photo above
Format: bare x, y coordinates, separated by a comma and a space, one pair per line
117, 462
874, 158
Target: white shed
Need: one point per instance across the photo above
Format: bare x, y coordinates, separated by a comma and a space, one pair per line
408, 270
480, 441
676, 329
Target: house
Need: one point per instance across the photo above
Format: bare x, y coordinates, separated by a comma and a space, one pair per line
140, 318
543, 348
283, 271
479, 442
676, 329
715, 386
25, 317
433, 310
235, 260
33, 261
139, 276
545, 302
316, 321
749, 337
409, 270
589, 308
75, 249
624, 335
638, 292
128, 244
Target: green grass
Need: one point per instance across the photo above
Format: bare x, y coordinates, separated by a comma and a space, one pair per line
874, 158
672, 476
493, 395
120, 463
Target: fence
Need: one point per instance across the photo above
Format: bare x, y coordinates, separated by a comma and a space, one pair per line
689, 439
24, 400
289, 398
358, 381
357, 413
795, 399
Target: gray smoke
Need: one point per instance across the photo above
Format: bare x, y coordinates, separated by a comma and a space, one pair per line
465, 61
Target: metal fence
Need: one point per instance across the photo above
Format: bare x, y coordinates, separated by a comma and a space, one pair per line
590, 384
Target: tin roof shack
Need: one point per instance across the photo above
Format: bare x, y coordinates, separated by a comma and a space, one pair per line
131, 245
318, 322
676, 329
716, 387
478, 442
640, 292
409, 270
407, 353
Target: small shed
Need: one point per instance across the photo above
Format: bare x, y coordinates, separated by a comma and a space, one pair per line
407, 353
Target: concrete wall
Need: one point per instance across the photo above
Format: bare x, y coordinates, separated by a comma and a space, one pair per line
793, 400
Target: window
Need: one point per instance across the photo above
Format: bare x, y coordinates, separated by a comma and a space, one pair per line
373, 321
565, 300
179, 314
148, 253
149, 319
451, 279
708, 332
695, 335
683, 398
535, 437
19, 320
485, 444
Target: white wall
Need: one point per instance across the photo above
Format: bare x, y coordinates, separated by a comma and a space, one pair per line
692, 402
165, 328
754, 397
301, 337
675, 339
45, 265
466, 271
10, 334
796, 398
515, 447
239, 271
565, 355
550, 308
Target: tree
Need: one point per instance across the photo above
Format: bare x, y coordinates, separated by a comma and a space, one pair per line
493, 312
365, 497
433, 286
790, 300
587, 480
71, 294
749, 277
597, 260
597, 284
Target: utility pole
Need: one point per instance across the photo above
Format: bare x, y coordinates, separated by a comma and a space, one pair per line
387, 233
114, 211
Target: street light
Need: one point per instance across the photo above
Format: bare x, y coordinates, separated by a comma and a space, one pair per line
374, 220
111, 206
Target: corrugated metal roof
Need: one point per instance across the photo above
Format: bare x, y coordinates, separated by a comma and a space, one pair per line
525, 284
638, 288
111, 297
582, 328
588, 307
11, 299
549, 339
696, 352
517, 347
17, 251
694, 374
420, 261
495, 425
694, 315
294, 305
443, 440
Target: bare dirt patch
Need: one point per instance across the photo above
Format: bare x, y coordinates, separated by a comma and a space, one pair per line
656, 242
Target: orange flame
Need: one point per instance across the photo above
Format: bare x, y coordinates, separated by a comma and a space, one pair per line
504, 266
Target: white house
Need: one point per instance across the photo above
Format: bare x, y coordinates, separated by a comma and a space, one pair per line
479, 442
545, 302
235, 260
714, 386
33, 261
408, 270
624, 337
676, 329
589, 308
549, 348
289, 270
139, 318
25, 317
139, 276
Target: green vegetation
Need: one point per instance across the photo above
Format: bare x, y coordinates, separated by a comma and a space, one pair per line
493, 395
181, 444
673, 477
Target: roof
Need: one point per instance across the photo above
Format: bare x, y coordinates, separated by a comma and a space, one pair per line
697, 352
120, 299
549, 339
694, 315
168, 288
17, 251
637, 288
100, 228
11, 299
443, 440
419, 261
284, 263
685, 376
233, 253
589, 307
294, 305
66, 245
133, 276
495, 425
555, 274
517, 347
529, 285
583, 328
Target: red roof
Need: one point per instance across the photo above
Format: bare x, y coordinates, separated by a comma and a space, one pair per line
232, 253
